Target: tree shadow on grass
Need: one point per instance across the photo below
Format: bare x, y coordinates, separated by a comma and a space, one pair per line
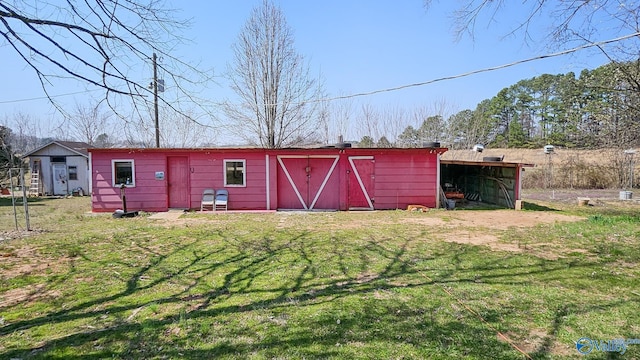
32, 201
291, 296
536, 207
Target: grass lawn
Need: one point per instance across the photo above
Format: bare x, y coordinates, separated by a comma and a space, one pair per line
346, 285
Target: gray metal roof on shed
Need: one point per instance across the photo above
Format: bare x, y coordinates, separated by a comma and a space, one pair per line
77, 147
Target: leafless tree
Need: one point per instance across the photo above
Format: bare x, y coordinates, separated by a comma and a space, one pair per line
369, 121
104, 45
573, 22
87, 122
341, 120
140, 133
394, 121
179, 131
183, 133
324, 120
335, 120
26, 132
278, 97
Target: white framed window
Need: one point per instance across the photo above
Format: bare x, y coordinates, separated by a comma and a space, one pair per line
235, 173
123, 172
72, 172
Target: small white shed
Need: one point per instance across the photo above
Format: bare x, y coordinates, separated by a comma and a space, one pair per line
59, 168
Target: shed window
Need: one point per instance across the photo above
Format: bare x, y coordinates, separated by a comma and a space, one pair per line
235, 173
124, 173
73, 173
58, 159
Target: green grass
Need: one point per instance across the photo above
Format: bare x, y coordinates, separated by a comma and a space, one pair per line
349, 285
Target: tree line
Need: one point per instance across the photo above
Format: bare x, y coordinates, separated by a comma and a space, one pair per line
596, 109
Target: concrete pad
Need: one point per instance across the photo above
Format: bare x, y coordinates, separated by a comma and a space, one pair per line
172, 214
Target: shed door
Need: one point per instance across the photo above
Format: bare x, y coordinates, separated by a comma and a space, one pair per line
308, 182
178, 182
60, 182
361, 182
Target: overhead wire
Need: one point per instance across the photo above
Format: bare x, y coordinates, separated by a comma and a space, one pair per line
45, 97
473, 72
406, 86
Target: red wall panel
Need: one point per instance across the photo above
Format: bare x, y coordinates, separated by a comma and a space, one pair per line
403, 179
393, 179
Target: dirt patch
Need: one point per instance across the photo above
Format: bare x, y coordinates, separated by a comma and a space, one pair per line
26, 260
538, 341
482, 228
505, 219
27, 294
474, 227
492, 220
182, 221
17, 234
467, 237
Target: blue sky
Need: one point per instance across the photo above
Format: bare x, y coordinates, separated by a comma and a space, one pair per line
357, 46
361, 46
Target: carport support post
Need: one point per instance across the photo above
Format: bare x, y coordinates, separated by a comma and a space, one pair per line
518, 205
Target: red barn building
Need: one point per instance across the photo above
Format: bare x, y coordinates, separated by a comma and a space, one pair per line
265, 179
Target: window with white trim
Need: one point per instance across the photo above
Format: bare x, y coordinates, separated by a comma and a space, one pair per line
123, 173
235, 173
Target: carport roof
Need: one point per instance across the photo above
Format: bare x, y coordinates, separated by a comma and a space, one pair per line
486, 163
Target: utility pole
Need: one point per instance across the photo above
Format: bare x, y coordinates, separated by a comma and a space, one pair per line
155, 98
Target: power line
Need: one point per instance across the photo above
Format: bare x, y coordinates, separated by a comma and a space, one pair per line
44, 97
451, 77
402, 87
518, 62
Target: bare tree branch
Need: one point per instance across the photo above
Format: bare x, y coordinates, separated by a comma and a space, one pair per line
104, 44
572, 21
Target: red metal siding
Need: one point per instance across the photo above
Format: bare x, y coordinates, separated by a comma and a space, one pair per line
148, 194
291, 180
208, 173
271, 176
403, 179
178, 181
361, 182
323, 178
253, 196
308, 182
324, 191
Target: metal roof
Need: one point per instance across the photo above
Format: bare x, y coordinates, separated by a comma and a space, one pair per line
74, 146
485, 163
